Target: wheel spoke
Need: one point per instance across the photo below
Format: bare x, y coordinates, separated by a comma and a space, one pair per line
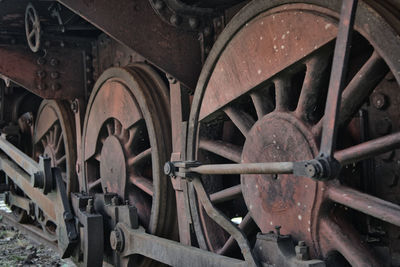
61, 160
132, 133
56, 133
309, 96
262, 103
117, 127
282, 92
246, 226
344, 239
94, 184
242, 120
142, 183
365, 203
226, 194
139, 157
60, 141
31, 34
221, 148
360, 87
110, 128
368, 149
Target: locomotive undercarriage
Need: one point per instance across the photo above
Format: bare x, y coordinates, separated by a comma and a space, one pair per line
204, 133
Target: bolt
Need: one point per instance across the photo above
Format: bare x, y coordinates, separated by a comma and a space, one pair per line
62, 44
193, 23
117, 240
159, 4
42, 86
88, 69
301, 251
89, 206
278, 230
175, 20
171, 79
54, 62
114, 201
168, 168
207, 31
55, 86
88, 57
311, 170
127, 202
41, 74
54, 75
379, 100
74, 106
41, 61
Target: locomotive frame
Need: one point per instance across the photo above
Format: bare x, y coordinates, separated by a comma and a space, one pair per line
139, 132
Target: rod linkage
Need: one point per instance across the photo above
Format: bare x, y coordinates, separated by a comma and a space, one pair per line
321, 168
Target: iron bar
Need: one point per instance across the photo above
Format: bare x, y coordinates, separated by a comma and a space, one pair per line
23, 181
338, 77
226, 194
370, 148
365, 203
245, 168
19, 157
170, 252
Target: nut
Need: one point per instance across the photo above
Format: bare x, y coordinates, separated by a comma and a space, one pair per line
117, 240
301, 251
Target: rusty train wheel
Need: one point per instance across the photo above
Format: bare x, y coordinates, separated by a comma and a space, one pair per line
261, 98
126, 141
54, 137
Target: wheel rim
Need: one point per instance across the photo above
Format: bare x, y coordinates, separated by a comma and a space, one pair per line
237, 123
54, 136
126, 133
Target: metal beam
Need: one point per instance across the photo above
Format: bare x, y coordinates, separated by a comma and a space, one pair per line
135, 24
57, 75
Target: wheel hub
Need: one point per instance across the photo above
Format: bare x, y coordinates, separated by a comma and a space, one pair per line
283, 200
112, 166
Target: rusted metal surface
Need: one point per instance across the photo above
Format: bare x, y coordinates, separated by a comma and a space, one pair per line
179, 100
57, 75
250, 109
54, 138
285, 44
126, 141
170, 252
177, 53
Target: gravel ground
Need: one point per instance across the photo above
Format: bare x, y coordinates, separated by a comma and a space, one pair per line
16, 249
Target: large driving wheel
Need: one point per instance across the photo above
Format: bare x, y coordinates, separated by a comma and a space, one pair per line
261, 98
126, 141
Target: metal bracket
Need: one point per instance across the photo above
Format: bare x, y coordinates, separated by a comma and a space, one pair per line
66, 230
279, 250
90, 252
